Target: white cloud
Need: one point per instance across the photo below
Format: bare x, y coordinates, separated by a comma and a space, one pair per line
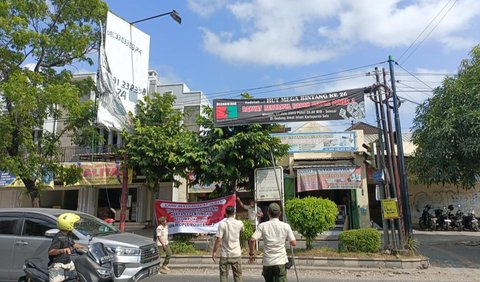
302, 32
206, 7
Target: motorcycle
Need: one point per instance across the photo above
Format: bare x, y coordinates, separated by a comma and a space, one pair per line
443, 222
456, 218
470, 221
427, 220
92, 265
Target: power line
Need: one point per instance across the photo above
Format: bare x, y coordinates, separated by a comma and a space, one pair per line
421, 81
425, 29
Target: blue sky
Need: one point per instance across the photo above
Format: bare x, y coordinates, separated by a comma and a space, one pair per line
223, 48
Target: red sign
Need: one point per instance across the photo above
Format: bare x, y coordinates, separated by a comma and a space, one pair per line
318, 178
193, 217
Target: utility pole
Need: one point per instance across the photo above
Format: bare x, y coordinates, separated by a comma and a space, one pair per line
401, 159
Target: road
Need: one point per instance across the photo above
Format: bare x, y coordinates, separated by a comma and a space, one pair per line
454, 256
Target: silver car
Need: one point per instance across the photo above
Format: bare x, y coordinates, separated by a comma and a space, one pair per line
22, 236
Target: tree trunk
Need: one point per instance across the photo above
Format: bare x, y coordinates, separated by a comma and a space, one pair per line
32, 192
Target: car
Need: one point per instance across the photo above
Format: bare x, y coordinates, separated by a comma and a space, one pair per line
23, 235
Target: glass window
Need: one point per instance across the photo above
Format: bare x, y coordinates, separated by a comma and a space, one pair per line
37, 227
92, 226
8, 225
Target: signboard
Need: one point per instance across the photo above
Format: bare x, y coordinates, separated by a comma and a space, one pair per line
123, 72
321, 142
266, 187
202, 188
390, 209
100, 173
12, 181
335, 177
345, 104
193, 217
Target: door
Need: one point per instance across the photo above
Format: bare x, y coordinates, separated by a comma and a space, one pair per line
32, 241
9, 228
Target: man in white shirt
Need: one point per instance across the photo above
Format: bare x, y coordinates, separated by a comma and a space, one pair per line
254, 214
274, 233
162, 243
228, 236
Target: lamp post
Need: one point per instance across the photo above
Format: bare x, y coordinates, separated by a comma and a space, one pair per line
124, 196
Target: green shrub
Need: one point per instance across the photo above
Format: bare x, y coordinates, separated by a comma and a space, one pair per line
311, 216
247, 232
367, 240
183, 248
183, 237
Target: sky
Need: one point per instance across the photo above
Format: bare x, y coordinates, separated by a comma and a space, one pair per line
279, 48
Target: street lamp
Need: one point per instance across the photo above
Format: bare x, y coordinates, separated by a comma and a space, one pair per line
174, 14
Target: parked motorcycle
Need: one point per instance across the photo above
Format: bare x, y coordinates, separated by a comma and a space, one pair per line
456, 218
92, 265
470, 222
427, 220
443, 222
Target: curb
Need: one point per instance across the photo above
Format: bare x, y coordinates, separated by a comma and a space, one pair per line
310, 262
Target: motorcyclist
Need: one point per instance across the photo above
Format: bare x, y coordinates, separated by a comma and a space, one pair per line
61, 248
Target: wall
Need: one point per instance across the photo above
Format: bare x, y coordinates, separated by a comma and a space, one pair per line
14, 198
441, 196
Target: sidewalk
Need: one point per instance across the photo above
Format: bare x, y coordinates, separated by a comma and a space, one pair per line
326, 240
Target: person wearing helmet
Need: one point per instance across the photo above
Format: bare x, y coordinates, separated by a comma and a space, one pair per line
61, 248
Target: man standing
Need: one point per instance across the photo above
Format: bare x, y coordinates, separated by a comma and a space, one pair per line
254, 214
162, 243
61, 248
228, 236
274, 233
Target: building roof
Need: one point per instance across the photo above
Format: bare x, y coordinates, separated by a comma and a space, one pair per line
365, 127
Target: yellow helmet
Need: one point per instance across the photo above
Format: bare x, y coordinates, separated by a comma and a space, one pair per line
66, 221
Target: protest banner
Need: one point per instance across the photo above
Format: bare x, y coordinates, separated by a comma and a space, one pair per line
193, 217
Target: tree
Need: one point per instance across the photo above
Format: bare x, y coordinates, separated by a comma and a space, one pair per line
159, 145
311, 216
230, 155
446, 130
48, 36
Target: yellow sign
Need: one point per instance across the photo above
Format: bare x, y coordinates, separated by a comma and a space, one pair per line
390, 209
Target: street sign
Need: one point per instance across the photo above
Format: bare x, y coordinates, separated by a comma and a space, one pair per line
390, 209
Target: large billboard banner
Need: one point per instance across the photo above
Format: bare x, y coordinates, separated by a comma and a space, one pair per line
100, 173
345, 104
123, 72
193, 217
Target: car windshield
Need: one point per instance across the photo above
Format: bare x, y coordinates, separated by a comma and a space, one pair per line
91, 226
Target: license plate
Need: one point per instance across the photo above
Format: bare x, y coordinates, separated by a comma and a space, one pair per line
153, 270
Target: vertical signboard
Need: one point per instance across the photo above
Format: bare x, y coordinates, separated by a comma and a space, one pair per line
123, 71
266, 187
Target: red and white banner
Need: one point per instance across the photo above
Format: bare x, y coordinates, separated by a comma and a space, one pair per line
193, 217
347, 177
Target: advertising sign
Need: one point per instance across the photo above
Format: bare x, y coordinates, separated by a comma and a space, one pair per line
389, 208
318, 178
12, 181
193, 217
123, 72
100, 173
345, 104
321, 142
266, 187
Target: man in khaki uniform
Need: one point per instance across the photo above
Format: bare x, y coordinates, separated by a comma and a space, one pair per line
228, 236
162, 243
274, 233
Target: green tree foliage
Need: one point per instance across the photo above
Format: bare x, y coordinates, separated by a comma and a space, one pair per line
230, 155
159, 145
311, 216
446, 130
47, 36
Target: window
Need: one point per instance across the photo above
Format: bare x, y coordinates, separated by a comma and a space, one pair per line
8, 225
37, 227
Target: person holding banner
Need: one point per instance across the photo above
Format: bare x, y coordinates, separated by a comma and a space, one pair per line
228, 236
274, 233
254, 214
162, 243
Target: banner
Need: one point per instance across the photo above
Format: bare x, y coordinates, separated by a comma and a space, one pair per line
321, 142
193, 217
348, 177
345, 104
100, 173
123, 72
12, 181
